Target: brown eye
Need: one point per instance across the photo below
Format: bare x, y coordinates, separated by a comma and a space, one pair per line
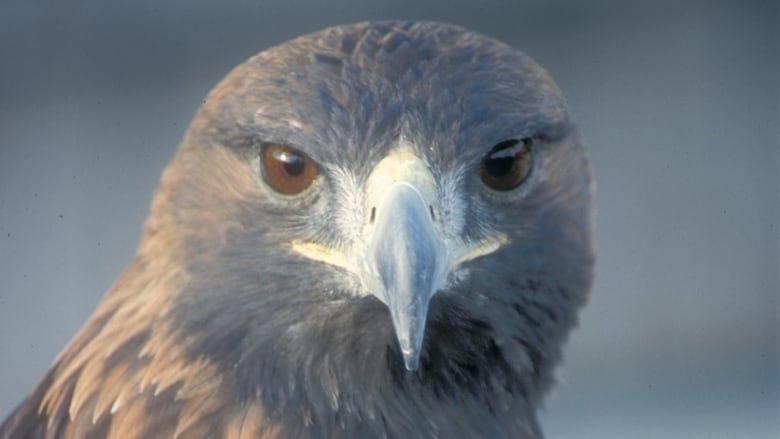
287, 170
507, 164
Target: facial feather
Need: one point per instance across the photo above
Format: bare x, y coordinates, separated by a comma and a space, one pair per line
222, 327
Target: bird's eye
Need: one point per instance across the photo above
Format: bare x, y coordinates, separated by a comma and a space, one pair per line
287, 170
507, 164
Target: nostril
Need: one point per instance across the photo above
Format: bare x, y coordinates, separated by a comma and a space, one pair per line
433, 215
373, 215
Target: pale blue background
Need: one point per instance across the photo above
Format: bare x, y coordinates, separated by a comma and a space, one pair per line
678, 101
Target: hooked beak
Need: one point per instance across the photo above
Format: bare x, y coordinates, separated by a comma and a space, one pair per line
403, 256
404, 264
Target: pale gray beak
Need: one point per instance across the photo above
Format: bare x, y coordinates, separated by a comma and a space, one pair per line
401, 256
406, 257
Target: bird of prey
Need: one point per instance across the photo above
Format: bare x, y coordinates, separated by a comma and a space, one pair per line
378, 230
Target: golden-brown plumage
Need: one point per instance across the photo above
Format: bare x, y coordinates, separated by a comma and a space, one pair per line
126, 360
248, 311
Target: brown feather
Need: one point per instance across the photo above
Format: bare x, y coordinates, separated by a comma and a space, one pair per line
216, 329
125, 357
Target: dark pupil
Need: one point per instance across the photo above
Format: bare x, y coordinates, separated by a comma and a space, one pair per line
503, 164
499, 167
293, 163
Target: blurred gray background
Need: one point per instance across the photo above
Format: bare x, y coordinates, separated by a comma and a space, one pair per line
678, 101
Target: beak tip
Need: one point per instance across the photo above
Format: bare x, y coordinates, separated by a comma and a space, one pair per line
410, 343
411, 360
